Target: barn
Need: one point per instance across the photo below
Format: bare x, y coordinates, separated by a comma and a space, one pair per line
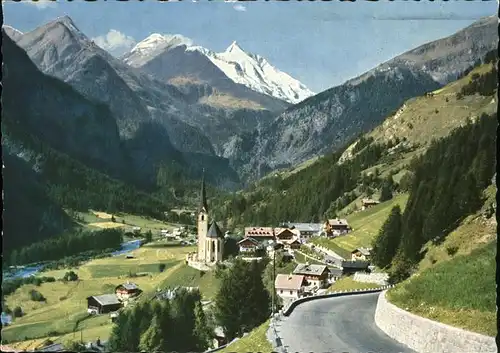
102, 304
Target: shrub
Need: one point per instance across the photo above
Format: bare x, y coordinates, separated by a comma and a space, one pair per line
70, 276
451, 250
18, 312
36, 296
162, 267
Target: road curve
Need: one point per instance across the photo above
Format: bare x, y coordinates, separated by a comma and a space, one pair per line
336, 325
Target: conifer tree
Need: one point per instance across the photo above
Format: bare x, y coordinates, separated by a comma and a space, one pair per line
202, 330
152, 340
388, 240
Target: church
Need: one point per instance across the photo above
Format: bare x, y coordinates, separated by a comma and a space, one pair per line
210, 237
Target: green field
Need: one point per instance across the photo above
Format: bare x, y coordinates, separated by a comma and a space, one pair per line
366, 225
189, 277
347, 283
66, 302
255, 341
460, 292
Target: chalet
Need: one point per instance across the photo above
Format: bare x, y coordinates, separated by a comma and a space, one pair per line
261, 233
362, 254
293, 243
127, 290
248, 245
367, 203
103, 304
336, 226
307, 230
315, 275
285, 234
350, 267
289, 286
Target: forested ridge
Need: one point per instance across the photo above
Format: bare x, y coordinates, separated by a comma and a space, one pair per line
446, 186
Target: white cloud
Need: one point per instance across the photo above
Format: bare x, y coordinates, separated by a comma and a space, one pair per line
240, 8
115, 42
41, 4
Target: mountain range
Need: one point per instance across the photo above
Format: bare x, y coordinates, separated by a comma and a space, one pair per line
327, 121
231, 113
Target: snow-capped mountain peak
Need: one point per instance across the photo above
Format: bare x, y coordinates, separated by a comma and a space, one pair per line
153, 45
256, 73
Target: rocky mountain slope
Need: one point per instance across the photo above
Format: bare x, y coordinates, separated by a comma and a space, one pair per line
145, 109
328, 120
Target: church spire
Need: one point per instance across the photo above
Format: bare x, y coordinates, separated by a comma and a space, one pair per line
203, 195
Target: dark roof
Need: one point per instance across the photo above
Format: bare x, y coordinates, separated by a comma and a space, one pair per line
249, 239
355, 264
106, 299
306, 269
203, 195
336, 272
214, 231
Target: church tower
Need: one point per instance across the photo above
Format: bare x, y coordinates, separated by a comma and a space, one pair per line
202, 221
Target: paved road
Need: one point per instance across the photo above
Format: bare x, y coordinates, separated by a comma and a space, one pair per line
336, 325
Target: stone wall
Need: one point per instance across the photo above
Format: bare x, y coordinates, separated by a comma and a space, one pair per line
427, 336
378, 278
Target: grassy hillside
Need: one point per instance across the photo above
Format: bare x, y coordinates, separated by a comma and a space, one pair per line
366, 225
329, 185
455, 281
255, 341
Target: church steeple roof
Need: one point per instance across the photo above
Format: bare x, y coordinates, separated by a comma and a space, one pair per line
214, 231
203, 195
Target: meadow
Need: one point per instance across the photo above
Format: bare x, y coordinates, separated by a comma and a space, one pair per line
64, 315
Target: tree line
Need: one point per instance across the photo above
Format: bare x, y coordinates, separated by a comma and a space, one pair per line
446, 186
63, 246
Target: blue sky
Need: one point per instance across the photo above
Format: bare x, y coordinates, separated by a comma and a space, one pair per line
322, 44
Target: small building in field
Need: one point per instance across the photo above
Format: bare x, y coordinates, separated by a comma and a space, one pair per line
127, 290
289, 286
315, 275
350, 267
103, 304
248, 245
362, 254
367, 203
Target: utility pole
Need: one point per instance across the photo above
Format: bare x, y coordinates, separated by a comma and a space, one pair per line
274, 272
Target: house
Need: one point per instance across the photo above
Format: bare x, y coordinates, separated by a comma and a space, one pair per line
289, 287
367, 203
103, 304
127, 290
292, 243
336, 226
307, 230
315, 275
361, 254
284, 234
350, 267
261, 233
248, 245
